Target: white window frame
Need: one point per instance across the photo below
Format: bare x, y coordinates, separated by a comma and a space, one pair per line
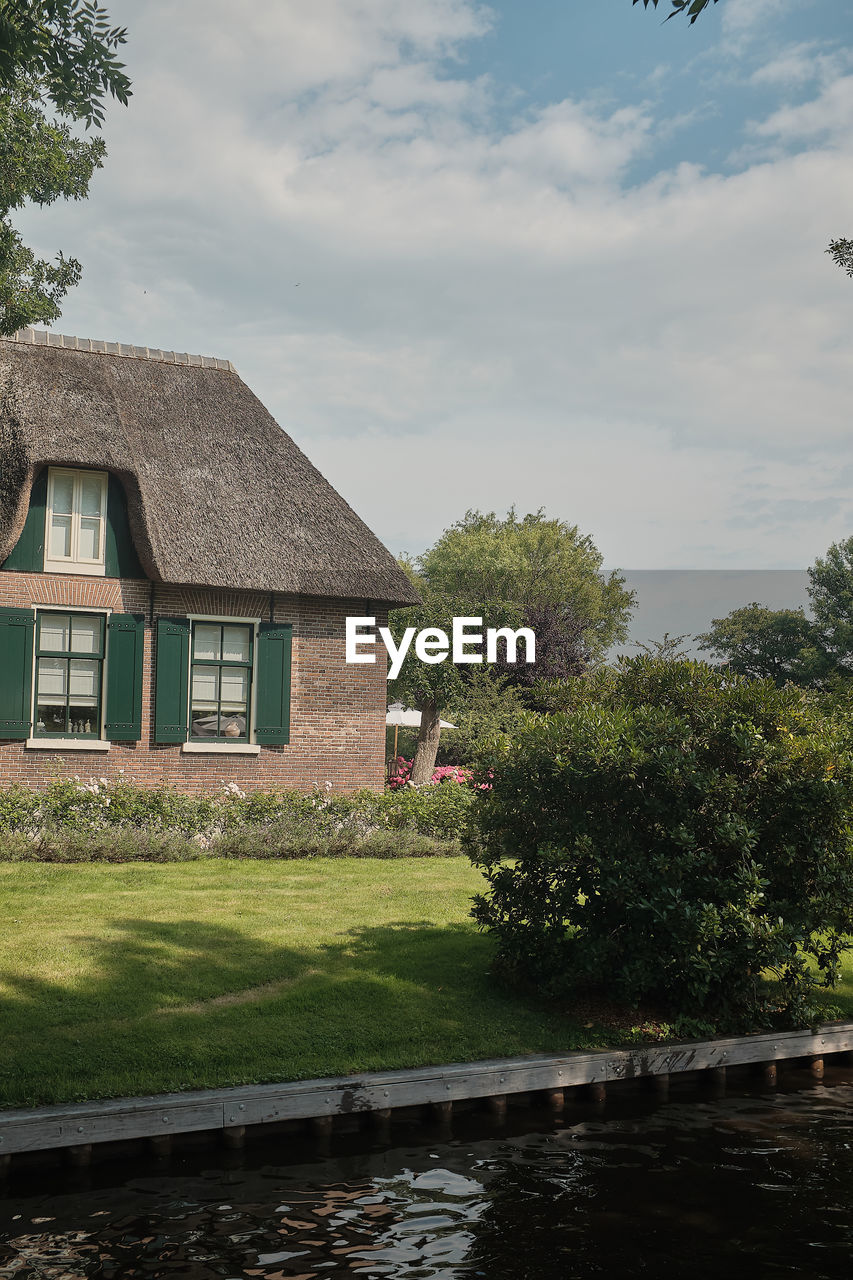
36, 743
221, 746
75, 563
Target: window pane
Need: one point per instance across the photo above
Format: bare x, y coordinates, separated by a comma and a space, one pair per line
235, 684
235, 644
205, 687
89, 546
204, 724
207, 641
233, 726
91, 495
52, 673
83, 681
50, 718
60, 537
83, 716
85, 635
63, 493
53, 633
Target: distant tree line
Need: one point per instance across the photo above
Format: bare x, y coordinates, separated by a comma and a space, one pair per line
784, 645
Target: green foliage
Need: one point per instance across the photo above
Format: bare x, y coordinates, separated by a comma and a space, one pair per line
500, 569
841, 252
783, 644
55, 56
692, 8
508, 572
777, 644
669, 647
101, 821
122, 844
420, 683
40, 161
69, 47
675, 835
486, 706
831, 595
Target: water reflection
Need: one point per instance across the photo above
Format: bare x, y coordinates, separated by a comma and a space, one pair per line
750, 1185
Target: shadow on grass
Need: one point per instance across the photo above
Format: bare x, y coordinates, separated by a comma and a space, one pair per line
170, 1005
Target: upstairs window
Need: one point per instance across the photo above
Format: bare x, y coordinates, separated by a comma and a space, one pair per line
76, 521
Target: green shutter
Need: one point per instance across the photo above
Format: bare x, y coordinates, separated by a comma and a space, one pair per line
16, 672
27, 555
171, 688
125, 642
272, 690
120, 558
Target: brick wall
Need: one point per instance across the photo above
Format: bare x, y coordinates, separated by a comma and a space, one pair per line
337, 726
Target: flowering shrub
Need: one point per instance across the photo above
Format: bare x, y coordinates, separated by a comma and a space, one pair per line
76, 820
402, 771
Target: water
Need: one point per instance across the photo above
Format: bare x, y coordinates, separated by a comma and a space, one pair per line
756, 1185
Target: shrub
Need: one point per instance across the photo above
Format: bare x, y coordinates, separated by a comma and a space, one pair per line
677, 836
122, 845
74, 821
441, 773
297, 840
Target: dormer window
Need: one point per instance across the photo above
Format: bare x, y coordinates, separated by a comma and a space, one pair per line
76, 521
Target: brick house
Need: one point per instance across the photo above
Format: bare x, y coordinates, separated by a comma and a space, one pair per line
174, 580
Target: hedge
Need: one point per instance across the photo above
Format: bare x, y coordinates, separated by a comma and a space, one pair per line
102, 820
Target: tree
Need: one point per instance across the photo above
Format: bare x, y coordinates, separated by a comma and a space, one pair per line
528, 571
67, 46
427, 686
777, 644
841, 252
486, 705
563, 647
670, 648
56, 64
692, 8
507, 567
831, 595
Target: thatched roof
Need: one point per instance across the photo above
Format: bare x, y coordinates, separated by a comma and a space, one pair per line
218, 495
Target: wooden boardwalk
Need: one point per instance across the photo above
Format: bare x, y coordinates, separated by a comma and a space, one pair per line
80, 1125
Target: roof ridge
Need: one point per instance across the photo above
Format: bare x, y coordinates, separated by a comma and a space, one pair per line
44, 338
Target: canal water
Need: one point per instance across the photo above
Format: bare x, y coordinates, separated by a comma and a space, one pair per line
754, 1184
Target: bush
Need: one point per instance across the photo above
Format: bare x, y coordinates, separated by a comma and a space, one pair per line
74, 821
297, 840
121, 845
678, 835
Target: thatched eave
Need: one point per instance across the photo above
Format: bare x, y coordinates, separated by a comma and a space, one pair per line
217, 494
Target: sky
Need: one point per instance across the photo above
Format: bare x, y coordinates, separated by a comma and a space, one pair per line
557, 255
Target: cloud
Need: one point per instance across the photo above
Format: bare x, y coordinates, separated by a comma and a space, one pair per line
449, 308
829, 114
748, 18
801, 64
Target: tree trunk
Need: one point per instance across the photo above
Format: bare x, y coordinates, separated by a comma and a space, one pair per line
427, 748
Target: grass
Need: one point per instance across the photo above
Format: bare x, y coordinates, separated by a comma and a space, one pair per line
146, 978
143, 978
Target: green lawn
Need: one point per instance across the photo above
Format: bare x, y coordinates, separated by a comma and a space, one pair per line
144, 978
140, 978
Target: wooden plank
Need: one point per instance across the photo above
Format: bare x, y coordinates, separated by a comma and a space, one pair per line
81, 1124
86, 1123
